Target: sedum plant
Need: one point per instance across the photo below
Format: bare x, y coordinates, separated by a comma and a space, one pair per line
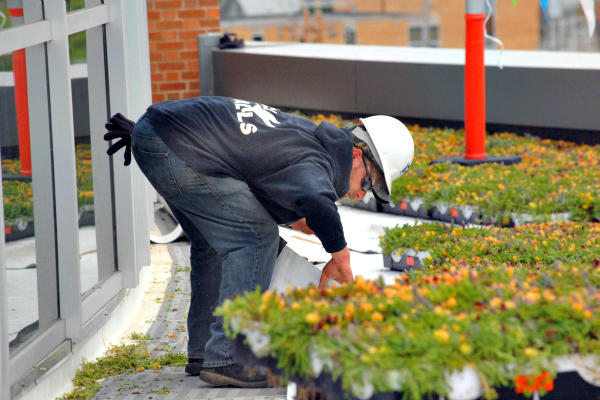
503, 323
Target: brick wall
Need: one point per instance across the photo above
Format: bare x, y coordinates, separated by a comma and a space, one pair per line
173, 28
519, 26
382, 32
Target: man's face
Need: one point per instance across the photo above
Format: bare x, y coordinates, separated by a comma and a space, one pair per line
360, 168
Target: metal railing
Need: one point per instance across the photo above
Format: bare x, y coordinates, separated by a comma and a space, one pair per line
119, 81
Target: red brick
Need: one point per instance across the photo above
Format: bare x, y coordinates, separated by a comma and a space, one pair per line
154, 56
158, 97
189, 75
191, 23
195, 85
172, 56
169, 15
172, 86
170, 46
154, 87
191, 4
204, 3
188, 55
210, 23
170, 35
191, 45
171, 66
153, 15
157, 77
170, 4
157, 35
173, 96
213, 13
192, 65
191, 34
188, 95
172, 76
197, 13
161, 25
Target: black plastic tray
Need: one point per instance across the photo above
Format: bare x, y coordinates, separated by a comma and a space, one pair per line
567, 385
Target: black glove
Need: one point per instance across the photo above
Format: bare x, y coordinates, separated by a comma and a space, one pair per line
119, 127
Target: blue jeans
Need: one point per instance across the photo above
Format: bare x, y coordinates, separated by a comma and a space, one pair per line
234, 240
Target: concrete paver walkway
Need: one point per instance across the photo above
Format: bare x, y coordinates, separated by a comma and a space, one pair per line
168, 333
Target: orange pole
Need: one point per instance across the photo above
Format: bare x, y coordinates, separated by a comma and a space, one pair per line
21, 101
474, 87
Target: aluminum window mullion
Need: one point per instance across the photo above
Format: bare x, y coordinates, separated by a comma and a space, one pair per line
65, 182
24, 36
98, 109
42, 179
123, 183
137, 47
87, 18
4, 379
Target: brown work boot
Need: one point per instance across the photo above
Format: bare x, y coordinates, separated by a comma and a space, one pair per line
194, 366
236, 375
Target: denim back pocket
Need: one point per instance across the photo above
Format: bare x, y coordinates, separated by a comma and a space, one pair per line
153, 159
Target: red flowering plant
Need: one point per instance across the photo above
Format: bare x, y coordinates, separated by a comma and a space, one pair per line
527, 384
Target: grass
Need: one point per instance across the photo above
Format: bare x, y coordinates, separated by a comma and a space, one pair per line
122, 359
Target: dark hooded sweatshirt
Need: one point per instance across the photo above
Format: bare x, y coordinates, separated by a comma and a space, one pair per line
294, 168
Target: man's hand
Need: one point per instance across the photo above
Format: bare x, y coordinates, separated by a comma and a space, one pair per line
337, 268
302, 227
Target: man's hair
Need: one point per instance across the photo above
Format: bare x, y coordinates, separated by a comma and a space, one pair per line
361, 144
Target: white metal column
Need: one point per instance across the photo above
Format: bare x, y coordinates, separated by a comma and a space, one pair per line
65, 184
101, 171
140, 97
4, 382
42, 177
130, 226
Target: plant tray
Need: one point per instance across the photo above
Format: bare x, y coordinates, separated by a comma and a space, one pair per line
23, 228
568, 384
367, 203
401, 260
461, 215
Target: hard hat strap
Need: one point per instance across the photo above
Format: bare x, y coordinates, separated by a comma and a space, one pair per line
361, 141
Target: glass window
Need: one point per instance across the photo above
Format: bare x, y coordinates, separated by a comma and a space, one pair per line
415, 34
434, 33
28, 201
88, 249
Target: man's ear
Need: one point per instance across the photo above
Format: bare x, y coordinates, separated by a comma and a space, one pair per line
356, 153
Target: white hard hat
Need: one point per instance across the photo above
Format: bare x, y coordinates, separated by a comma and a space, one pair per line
392, 147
